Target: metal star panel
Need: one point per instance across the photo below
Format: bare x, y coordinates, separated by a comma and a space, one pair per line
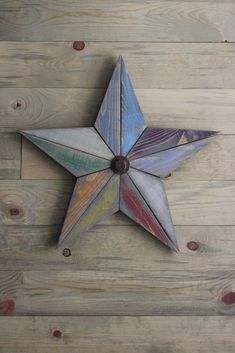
119, 162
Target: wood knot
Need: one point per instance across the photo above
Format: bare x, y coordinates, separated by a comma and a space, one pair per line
192, 245
7, 307
67, 252
78, 45
57, 334
14, 211
17, 105
228, 298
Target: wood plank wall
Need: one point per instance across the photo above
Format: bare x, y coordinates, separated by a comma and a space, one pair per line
120, 291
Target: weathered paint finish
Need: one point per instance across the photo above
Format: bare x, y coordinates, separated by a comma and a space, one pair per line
155, 140
83, 139
102, 206
119, 137
108, 119
85, 192
132, 119
76, 162
133, 205
163, 163
120, 121
153, 192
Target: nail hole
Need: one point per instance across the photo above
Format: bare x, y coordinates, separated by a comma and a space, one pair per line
57, 333
14, 211
229, 298
78, 45
17, 104
67, 252
226, 41
192, 245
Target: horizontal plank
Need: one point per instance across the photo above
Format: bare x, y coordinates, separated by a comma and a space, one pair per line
108, 292
122, 20
10, 154
44, 202
203, 109
215, 162
155, 65
115, 334
118, 248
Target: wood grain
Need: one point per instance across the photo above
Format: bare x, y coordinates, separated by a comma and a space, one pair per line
108, 292
115, 334
159, 65
203, 109
10, 154
174, 21
45, 202
118, 248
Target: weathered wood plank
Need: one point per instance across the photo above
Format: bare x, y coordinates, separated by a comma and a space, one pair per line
118, 20
10, 154
119, 248
115, 334
159, 65
44, 202
202, 109
108, 292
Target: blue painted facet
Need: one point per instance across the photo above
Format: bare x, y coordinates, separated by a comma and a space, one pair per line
108, 120
132, 119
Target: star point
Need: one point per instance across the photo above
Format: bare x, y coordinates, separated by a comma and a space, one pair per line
119, 163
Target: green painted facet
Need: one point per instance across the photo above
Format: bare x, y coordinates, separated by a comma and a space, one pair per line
76, 162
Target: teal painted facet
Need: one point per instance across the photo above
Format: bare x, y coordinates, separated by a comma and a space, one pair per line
76, 162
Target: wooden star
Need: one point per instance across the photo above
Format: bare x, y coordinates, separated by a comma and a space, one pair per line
119, 162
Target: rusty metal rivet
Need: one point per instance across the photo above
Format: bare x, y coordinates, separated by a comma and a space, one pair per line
120, 164
192, 245
67, 252
14, 211
57, 333
78, 45
228, 298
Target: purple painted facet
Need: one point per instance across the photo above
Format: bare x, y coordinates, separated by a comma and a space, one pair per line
163, 163
156, 139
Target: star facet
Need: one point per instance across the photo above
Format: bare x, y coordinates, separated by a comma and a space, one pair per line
119, 162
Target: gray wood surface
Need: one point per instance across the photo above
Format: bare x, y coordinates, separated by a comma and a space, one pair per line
117, 334
159, 65
100, 249
142, 292
10, 156
111, 20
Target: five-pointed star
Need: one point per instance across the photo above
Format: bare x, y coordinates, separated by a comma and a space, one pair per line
119, 162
